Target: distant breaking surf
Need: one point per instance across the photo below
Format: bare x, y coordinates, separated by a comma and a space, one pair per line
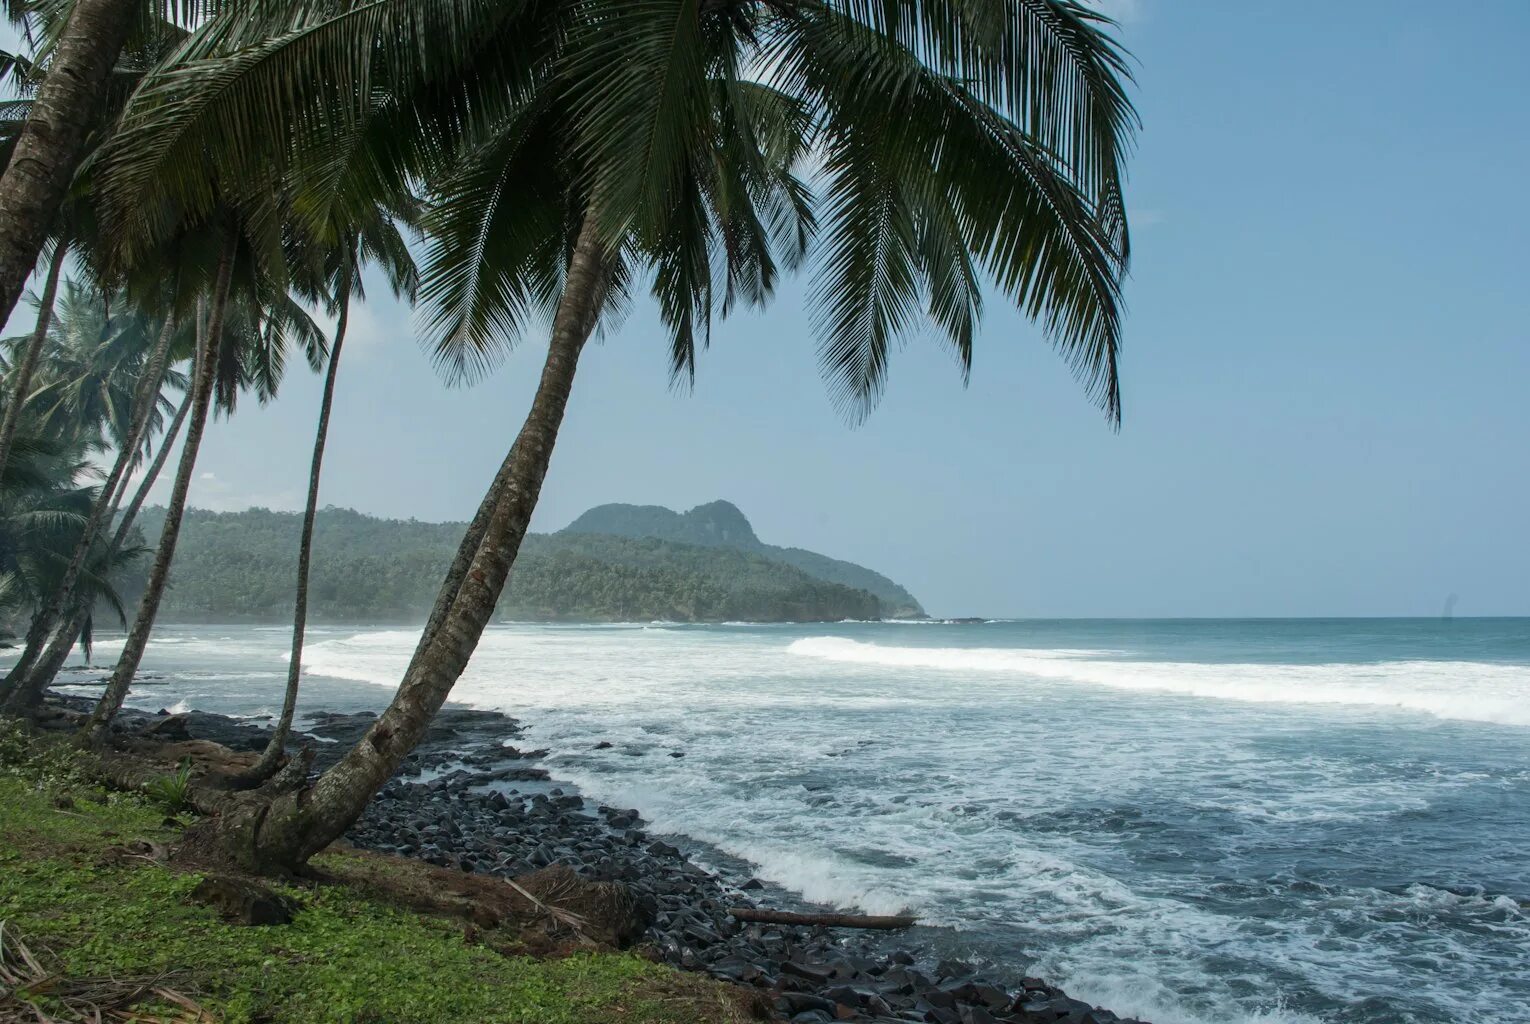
1496, 693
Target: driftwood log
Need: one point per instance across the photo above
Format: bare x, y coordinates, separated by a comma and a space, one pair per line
823, 920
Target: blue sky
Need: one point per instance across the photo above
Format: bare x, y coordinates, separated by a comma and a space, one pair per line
1327, 352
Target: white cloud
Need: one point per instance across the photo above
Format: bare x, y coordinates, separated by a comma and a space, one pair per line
211, 492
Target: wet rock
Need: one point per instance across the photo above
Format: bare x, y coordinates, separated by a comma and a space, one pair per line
807, 972
656, 894
800, 1002
171, 727
953, 969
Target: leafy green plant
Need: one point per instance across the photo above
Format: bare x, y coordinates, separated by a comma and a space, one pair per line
171, 791
44, 763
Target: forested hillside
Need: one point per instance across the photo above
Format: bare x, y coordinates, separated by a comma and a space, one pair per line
722, 524
239, 567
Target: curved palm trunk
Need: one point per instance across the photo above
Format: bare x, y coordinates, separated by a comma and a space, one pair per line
56, 656
36, 637
142, 494
36, 679
28, 366
285, 833
53, 142
270, 759
154, 591
30, 675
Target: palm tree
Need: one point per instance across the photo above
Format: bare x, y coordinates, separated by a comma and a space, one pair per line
242, 344
54, 141
376, 241
106, 379
203, 381
607, 142
71, 81
21, 377
151, 475
42, 511
131, 416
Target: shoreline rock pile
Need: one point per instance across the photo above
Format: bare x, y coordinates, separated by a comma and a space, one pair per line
466, 799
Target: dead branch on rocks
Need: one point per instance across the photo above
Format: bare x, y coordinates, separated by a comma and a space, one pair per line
823, 920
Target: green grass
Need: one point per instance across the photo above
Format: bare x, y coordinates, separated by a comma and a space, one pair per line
70, 891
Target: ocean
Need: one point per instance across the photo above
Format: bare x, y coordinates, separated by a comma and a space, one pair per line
1197, 822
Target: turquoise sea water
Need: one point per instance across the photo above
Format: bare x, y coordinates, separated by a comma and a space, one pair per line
1195, 821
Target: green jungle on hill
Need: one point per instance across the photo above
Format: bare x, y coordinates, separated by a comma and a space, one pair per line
615, 563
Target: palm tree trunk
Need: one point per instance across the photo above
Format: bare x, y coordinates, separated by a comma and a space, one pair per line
82, 609
270, 759
36, 637
142, 494
28, 366
154, 591
297, 825
52, 143
30, 690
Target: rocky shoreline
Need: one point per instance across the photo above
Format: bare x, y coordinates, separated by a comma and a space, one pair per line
468, 798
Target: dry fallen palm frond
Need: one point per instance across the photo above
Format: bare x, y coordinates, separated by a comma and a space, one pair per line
568, 917
82, 1000
18, 967
191, 1012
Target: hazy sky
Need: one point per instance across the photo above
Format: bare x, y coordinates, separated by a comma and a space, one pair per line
1327, 353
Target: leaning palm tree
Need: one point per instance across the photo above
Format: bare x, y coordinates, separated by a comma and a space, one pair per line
69, 84
242, 344
19, 380
105, 371
378, 241
915, 151
43, 508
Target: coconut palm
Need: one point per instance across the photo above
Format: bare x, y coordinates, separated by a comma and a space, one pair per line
20, 378
376, 241
70, 87
916, 152
106, 371
42, 511
102, 348
129, 515
251, 320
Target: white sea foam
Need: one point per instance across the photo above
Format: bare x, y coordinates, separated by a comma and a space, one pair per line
1466, 691
1138, 851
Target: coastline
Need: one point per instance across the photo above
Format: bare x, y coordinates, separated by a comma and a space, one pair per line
469, 798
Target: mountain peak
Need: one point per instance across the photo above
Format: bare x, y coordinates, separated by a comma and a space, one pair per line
720, 524
717, 524
723, 523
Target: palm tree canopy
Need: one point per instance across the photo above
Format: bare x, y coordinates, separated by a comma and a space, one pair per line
911, 153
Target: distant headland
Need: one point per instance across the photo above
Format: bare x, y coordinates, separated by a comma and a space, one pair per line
613, 563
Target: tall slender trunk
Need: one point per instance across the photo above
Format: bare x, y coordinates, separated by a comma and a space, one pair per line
270, 759
30, 689
52, 143
297, 825
36, 637
28, 366
49, 668
125, 524
148, 606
